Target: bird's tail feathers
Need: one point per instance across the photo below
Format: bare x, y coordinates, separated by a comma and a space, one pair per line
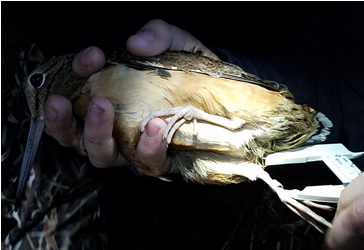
321, 133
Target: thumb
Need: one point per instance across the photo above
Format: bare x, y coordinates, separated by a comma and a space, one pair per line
152, 150
157, 36
348, 228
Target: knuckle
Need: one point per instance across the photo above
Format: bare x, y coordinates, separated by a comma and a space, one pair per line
107, 161
357, 217
92, 139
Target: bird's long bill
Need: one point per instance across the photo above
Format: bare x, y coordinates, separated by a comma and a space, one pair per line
35, 133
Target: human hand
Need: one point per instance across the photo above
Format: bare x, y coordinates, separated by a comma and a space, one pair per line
154, 38
348, 225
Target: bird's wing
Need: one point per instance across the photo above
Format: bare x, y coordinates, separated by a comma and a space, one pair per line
194, 62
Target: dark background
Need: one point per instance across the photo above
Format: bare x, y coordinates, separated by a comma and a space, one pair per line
263, 27
143, 213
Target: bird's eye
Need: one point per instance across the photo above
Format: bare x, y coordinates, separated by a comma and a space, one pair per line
37, 80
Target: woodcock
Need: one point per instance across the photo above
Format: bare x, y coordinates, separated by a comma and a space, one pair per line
222, 121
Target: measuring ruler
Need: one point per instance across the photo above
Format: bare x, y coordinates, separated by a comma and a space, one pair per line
336, 156
342, 167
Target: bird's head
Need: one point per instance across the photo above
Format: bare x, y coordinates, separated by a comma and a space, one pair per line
54, 76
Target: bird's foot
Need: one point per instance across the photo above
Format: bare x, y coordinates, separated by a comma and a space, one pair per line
187, 113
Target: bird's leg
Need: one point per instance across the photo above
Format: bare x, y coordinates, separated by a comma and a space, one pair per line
188, 113
298, 208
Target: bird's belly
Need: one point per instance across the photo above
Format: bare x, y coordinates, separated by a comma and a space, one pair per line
136, 93
133, 95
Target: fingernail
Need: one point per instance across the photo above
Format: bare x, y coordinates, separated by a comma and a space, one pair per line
50, 112
145, 35
152, 131
95, 112
87, 56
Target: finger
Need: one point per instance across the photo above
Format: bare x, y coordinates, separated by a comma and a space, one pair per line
100, 144
59, 121
152, 150
351, 193
88, 62
158, 36
348, 228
